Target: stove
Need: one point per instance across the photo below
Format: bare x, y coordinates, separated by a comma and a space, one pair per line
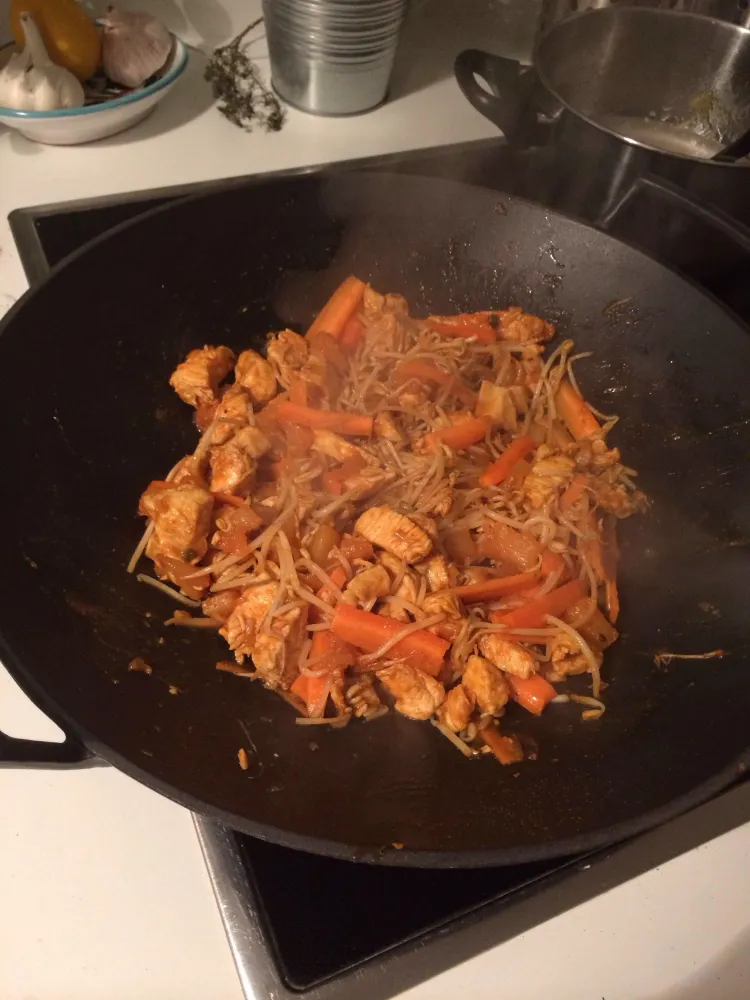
315, 928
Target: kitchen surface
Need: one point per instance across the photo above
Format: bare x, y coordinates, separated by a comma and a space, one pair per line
106, 888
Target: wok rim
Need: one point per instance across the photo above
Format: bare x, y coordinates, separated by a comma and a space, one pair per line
580, 844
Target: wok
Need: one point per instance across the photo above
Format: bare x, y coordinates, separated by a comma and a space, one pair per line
89, 419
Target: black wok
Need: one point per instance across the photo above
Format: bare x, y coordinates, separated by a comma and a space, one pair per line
88, 419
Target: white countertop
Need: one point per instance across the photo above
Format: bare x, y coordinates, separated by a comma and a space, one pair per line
103, 892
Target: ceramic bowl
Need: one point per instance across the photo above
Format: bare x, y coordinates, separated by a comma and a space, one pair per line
71, 126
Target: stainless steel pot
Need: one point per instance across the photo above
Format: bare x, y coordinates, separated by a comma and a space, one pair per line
622, 92
733, 11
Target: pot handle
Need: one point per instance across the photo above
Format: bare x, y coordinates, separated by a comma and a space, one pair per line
509, 105
15, 752
665, 191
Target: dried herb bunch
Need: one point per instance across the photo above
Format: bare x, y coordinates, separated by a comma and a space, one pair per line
236, 83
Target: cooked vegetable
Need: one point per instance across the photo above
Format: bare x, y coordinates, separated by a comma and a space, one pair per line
501, 469
459, 436
340, 308
575, 411
490, 590
356, 424
392, 514
507, 749
369, 632
423, 371
534, 613
533, 693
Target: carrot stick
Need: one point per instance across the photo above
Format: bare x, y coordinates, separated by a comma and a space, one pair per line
551, 562
489, 590
464, 325
533, 693
306, 416
499, 471
507, 749
298, 392
352, 334
534, 613
369, 631
423, 371
338, 576
459, 436
575, 412
314, 692
573, 493
339, 309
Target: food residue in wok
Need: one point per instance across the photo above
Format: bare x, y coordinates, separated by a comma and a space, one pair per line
392, 513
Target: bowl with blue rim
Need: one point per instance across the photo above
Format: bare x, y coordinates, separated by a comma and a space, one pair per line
109, 109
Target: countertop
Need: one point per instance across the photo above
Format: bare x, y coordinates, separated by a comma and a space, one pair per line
103, 888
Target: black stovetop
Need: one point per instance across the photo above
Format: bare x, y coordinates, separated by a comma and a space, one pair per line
324, 921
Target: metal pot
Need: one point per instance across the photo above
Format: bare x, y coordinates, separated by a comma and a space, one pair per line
622, 92
734, 11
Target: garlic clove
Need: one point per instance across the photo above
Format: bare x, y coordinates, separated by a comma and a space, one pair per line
32, 82
135, 45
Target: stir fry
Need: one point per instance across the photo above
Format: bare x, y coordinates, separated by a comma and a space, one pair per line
391, 513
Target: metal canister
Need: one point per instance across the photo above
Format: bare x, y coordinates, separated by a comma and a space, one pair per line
332, 57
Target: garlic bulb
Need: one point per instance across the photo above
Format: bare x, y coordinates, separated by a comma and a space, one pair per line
135, 45
32, 82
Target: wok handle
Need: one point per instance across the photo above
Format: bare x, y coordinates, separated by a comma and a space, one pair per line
672, 194
509, 105
15, 752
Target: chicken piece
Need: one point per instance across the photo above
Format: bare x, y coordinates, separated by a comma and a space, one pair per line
385, 427
372, 303
617, 499
395, 533
231, 414
182, 519
455, 712
274, 652
197, 378
189, 472
593, 454
255, 375
515, 324
448, 606
426, 524
549, 476
496, 403
415, 401
507, 655
486, 684
396, 304
476, 574
383, 332
362, 698
442, 604
391, 563
368, 586
336, 693
338, 448
287, 353
417, 695
221, 605
520, 398
439, 575
566, 658
367, 482
407, 590
233, 464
